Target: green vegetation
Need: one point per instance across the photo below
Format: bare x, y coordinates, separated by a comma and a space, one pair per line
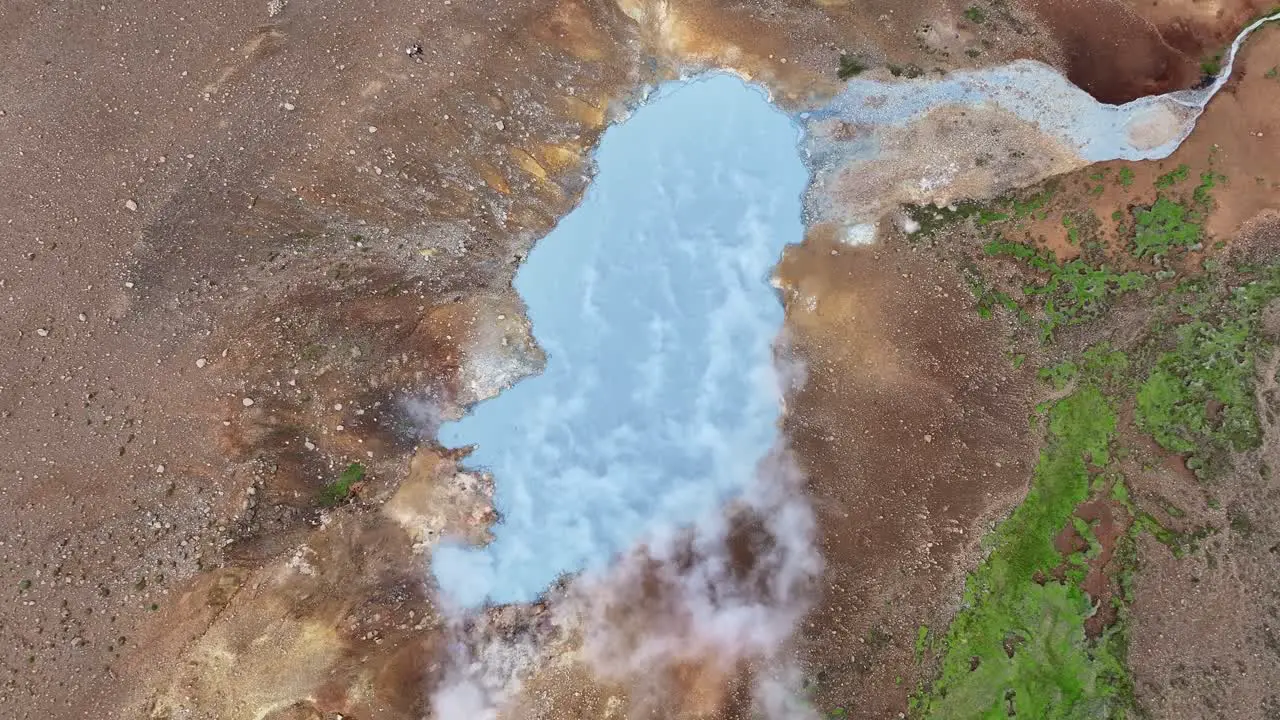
1101, 365
987, 299
1018, 645
1168, 225
1169, 179
975, 14
336, 492
1164, 226
850, 66
1033, 205
931, 218
911, 72
1016, 207
922, 641
1273, 73
1199, 397
1208, 181
1073, 292
1180, 544
1212, 65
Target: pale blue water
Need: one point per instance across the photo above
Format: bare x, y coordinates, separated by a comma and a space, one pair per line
653, 304
652, 301
1041, 96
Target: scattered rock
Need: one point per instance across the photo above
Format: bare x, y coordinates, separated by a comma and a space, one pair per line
201, 362
130, 205
247, 402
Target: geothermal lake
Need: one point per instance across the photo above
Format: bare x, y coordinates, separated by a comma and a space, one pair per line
653, 303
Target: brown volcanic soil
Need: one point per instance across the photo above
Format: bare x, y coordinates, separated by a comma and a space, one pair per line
1205, 633
207, 206
206, 203
1113, 52
1237, 138
912, 428
1121, 49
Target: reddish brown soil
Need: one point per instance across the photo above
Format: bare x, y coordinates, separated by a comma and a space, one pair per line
1118, 50
277, 241
912, 429
1110, 522
205, 204
1205, 641
1237, 138
1113, 53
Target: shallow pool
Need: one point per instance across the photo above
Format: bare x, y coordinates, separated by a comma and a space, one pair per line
653, 303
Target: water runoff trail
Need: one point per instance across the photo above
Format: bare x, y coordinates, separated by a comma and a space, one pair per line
652, 300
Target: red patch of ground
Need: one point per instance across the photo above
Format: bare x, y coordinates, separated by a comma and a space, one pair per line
1109, 522
1113, 53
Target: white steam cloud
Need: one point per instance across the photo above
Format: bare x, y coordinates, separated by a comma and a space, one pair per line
724, 595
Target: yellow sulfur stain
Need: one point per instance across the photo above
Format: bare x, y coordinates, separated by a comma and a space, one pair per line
557, 158
572, 24
587, 114
494, 179
528, 164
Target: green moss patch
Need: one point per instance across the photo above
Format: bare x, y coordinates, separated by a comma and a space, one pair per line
1018, 645
1199, 398
336, 492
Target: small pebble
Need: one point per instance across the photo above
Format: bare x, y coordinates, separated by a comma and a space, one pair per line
201, 362
289, 106
42, 332
130, 205
247, 402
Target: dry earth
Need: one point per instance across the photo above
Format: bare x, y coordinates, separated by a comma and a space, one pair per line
237, 235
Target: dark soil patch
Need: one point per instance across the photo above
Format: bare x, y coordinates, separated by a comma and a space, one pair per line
1113, 53
1109, 523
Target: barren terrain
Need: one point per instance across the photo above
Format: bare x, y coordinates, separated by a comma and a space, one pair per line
237, 237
